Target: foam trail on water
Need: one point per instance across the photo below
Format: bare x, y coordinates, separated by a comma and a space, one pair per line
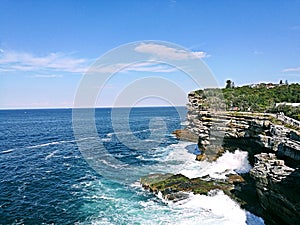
216, 208
58, 142
51, 155
8, 151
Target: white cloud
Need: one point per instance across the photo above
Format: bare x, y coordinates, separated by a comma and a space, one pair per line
295, 69
151, 67
20, 61
12, 61
201, 54
107, 68
166, 52
138, 67
47, 76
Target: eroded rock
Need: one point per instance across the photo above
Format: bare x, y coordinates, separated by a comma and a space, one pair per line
173, 186
278, 188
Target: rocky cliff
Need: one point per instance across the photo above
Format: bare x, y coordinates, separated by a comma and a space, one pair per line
271, 189
265, 132
278, 188
273, 144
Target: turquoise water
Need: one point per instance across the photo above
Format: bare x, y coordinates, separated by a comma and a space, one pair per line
46, 180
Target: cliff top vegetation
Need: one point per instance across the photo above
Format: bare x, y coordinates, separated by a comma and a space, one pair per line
263, 97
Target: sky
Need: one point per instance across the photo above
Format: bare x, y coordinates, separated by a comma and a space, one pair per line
46, 47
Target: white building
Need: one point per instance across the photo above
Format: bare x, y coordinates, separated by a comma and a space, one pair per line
288, 104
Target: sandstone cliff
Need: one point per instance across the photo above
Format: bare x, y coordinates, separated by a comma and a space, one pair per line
277, 185
278, 188
264, 131
271, 190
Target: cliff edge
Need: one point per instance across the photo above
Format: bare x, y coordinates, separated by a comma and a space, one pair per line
273, 144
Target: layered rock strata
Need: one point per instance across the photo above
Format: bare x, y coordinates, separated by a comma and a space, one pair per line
242, 129
271, 190
278, 188
273, 144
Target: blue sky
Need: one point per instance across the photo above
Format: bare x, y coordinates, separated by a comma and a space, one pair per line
46, 46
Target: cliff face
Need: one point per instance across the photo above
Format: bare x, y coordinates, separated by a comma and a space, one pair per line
260, 130
271, 143
277, 187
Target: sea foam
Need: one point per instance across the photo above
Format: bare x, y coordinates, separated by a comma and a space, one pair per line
228, 163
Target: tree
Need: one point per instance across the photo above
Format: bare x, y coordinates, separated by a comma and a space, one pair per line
280, 82
228, 84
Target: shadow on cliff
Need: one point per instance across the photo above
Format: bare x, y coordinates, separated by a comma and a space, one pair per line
246, 144
279, 204
281, 200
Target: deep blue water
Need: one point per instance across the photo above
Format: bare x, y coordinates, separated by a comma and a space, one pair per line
45, 179
48, 167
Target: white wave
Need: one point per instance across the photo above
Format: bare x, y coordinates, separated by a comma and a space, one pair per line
215, 208
100, 197
228, 163
111, 164
184, 123
46, 144
51, 155
59, 142
8, 151
173, 158
144, 159
124, 133
106, 139
180, 160
71, 156
109, 134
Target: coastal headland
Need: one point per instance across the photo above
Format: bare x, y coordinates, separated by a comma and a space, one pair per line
270, 189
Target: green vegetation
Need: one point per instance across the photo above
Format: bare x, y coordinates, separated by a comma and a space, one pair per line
174, 183
256, 98
290, 111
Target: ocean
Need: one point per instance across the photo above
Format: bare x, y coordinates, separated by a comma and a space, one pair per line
46, 179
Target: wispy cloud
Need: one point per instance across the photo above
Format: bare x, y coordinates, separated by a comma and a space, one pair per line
295, 69
151, 67
47, 76
138, 67
20, 61
166, 52
13, 61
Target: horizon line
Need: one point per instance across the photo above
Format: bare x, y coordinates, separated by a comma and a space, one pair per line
98, 107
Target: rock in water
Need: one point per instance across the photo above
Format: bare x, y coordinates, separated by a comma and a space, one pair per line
175, 187
201, 157
186, 135
235, 178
